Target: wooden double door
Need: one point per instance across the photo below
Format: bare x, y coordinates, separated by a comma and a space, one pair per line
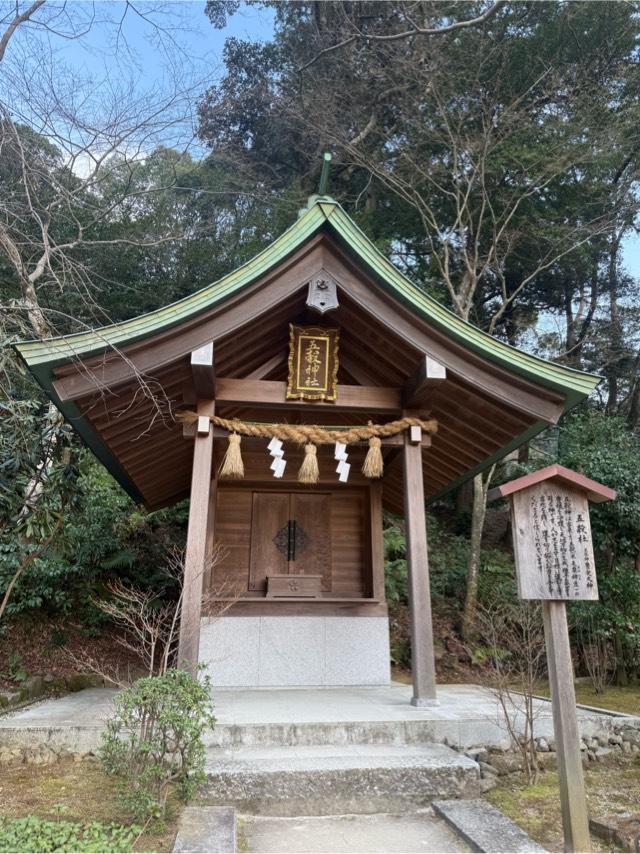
290, 534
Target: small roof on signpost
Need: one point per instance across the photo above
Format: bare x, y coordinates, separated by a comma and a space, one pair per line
595, 492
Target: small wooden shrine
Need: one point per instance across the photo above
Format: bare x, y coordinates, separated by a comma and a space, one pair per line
293, 401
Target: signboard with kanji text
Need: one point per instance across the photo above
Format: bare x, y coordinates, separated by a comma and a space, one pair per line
313, 363
552, 543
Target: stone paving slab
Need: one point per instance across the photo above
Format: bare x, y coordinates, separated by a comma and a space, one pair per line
71, 724
484, 828
385, 833
206, 829
467, 716
87, 708
329, 757
327, 780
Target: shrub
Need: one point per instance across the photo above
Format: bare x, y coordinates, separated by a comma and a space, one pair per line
35, 834
154, 740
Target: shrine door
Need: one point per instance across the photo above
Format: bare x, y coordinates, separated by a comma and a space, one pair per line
290, 534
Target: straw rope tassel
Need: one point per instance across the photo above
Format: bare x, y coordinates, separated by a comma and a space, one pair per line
232, 465
309, 472
373, 465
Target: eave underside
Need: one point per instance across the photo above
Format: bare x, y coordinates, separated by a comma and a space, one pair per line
481, 410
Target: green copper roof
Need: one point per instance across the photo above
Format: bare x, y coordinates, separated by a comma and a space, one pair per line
323, 212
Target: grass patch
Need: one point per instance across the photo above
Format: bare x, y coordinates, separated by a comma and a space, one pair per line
616, 699
75, 792
612, 787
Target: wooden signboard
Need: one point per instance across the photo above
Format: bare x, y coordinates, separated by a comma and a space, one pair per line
554, 563
552, 543
313, 363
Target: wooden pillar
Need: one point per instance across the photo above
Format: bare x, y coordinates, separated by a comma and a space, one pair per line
211, 533
423, 663
575, 820
195, 564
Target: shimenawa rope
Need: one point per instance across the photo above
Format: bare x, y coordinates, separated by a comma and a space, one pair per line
310, 436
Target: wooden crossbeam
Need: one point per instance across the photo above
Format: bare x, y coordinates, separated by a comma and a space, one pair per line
427, 375
203, 371
272, 393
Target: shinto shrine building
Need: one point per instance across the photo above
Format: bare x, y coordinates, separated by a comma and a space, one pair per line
318, 329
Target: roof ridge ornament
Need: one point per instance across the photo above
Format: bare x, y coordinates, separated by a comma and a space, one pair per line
323, 186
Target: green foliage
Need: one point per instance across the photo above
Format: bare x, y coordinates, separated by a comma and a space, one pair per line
154, 740
605, 449
14, 669
105, 536
35, 834
395, 565
448, 555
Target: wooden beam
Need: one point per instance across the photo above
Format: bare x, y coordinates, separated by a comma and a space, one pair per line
272, 393
422, 657
198, 539
203, 372
428, 375
209, 579
265, 368
354, 369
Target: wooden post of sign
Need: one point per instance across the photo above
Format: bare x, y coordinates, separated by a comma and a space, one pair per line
575, 819
197, 540
555, 564
422, 658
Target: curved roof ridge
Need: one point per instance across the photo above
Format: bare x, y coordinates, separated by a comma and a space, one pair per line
320, 210
68, 346
441, 316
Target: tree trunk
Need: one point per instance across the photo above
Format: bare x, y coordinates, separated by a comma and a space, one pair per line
473, 567
616, 331
464, 494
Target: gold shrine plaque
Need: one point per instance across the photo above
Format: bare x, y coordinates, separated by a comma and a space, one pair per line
313, 363
552, 543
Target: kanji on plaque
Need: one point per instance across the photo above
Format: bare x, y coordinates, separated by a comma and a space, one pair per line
313, 363
552, 541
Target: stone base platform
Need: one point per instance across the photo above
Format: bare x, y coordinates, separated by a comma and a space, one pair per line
467, 716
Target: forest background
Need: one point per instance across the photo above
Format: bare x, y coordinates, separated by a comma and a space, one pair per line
492, 150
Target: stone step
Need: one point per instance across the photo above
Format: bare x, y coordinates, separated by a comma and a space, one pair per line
332, 780
332, 733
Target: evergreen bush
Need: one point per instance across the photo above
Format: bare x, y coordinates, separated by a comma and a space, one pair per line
154, 741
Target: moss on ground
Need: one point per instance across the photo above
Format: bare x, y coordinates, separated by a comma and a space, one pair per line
612, 787
83, 791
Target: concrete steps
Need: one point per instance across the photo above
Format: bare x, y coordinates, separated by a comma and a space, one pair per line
337, 779
330, 733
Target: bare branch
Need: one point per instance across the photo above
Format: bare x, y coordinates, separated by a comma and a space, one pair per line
414, 31
13, 26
